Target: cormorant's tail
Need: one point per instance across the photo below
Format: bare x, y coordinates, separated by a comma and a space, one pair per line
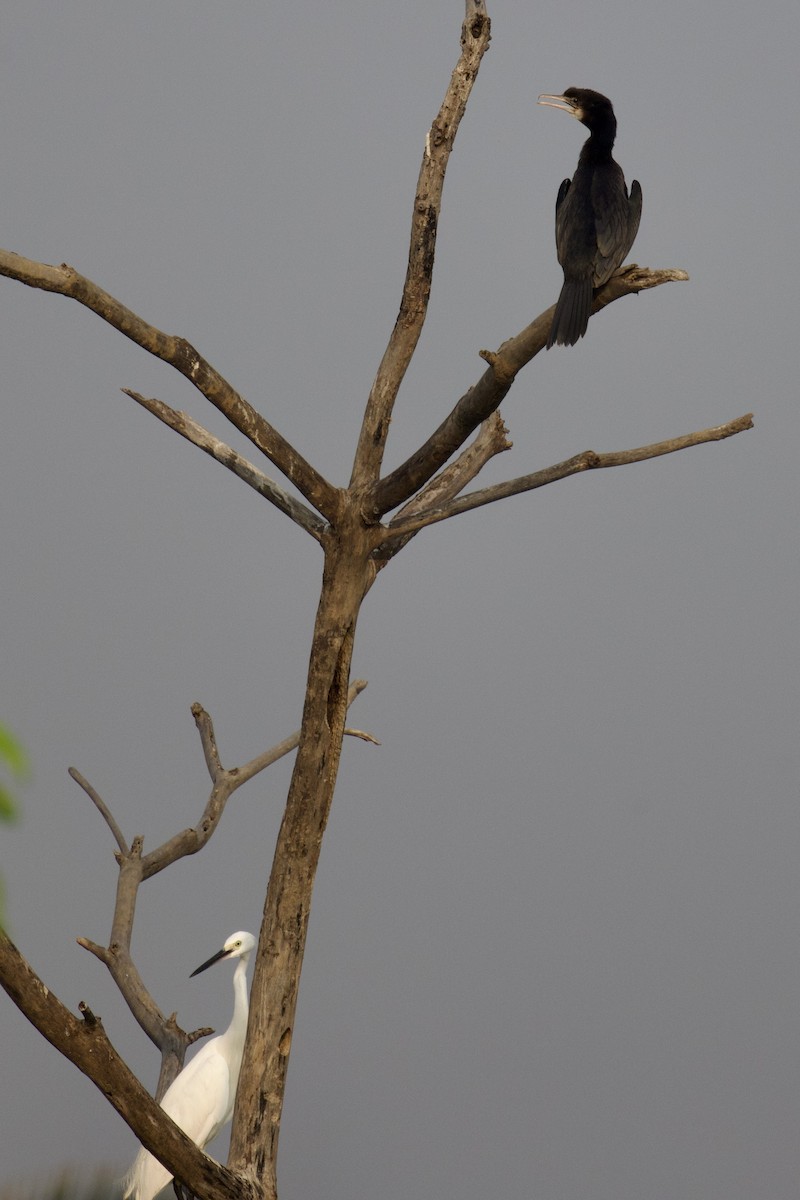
572, 312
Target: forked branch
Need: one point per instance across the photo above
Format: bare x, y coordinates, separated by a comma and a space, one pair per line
485, 396
588, 460
181, 355
492, 439
134, 867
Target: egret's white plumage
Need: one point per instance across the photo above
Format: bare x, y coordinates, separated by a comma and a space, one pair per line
200, 1100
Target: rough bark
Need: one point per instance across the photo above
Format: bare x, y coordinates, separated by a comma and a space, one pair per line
276, 978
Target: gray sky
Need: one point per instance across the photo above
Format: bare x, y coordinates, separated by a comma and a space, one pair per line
553, 949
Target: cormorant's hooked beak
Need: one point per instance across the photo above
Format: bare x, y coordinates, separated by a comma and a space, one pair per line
567, 104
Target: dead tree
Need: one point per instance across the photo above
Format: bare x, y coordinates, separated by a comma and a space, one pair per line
359, 529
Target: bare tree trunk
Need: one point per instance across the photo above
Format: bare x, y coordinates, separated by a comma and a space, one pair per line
273, 996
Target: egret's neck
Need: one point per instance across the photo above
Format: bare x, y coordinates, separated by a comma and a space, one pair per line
238, 1026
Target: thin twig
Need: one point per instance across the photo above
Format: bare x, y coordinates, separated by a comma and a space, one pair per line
101, 807
101, 952
361, 733
256, 765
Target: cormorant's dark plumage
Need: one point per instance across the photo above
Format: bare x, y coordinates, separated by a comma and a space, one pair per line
596, 219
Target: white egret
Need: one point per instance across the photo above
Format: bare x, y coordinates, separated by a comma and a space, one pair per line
200, 1100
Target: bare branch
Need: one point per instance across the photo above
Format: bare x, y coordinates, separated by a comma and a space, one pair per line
169, 1039
187, 427
181, 355
196, 1034
101, 807
361, 733
166, 1034
117, 957
631, 280
100, 952
492, 439
475, 36
485, 396
208, 740
588, 460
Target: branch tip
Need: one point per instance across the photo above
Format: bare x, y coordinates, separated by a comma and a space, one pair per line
363, 735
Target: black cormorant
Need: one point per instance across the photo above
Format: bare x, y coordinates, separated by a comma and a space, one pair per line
596, 219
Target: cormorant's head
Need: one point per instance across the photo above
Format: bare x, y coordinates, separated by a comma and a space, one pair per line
590, 108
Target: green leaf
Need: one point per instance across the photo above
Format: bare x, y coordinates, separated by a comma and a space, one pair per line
13, 754
8, 809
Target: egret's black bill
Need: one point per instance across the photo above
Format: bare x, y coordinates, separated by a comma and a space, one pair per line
214, 958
